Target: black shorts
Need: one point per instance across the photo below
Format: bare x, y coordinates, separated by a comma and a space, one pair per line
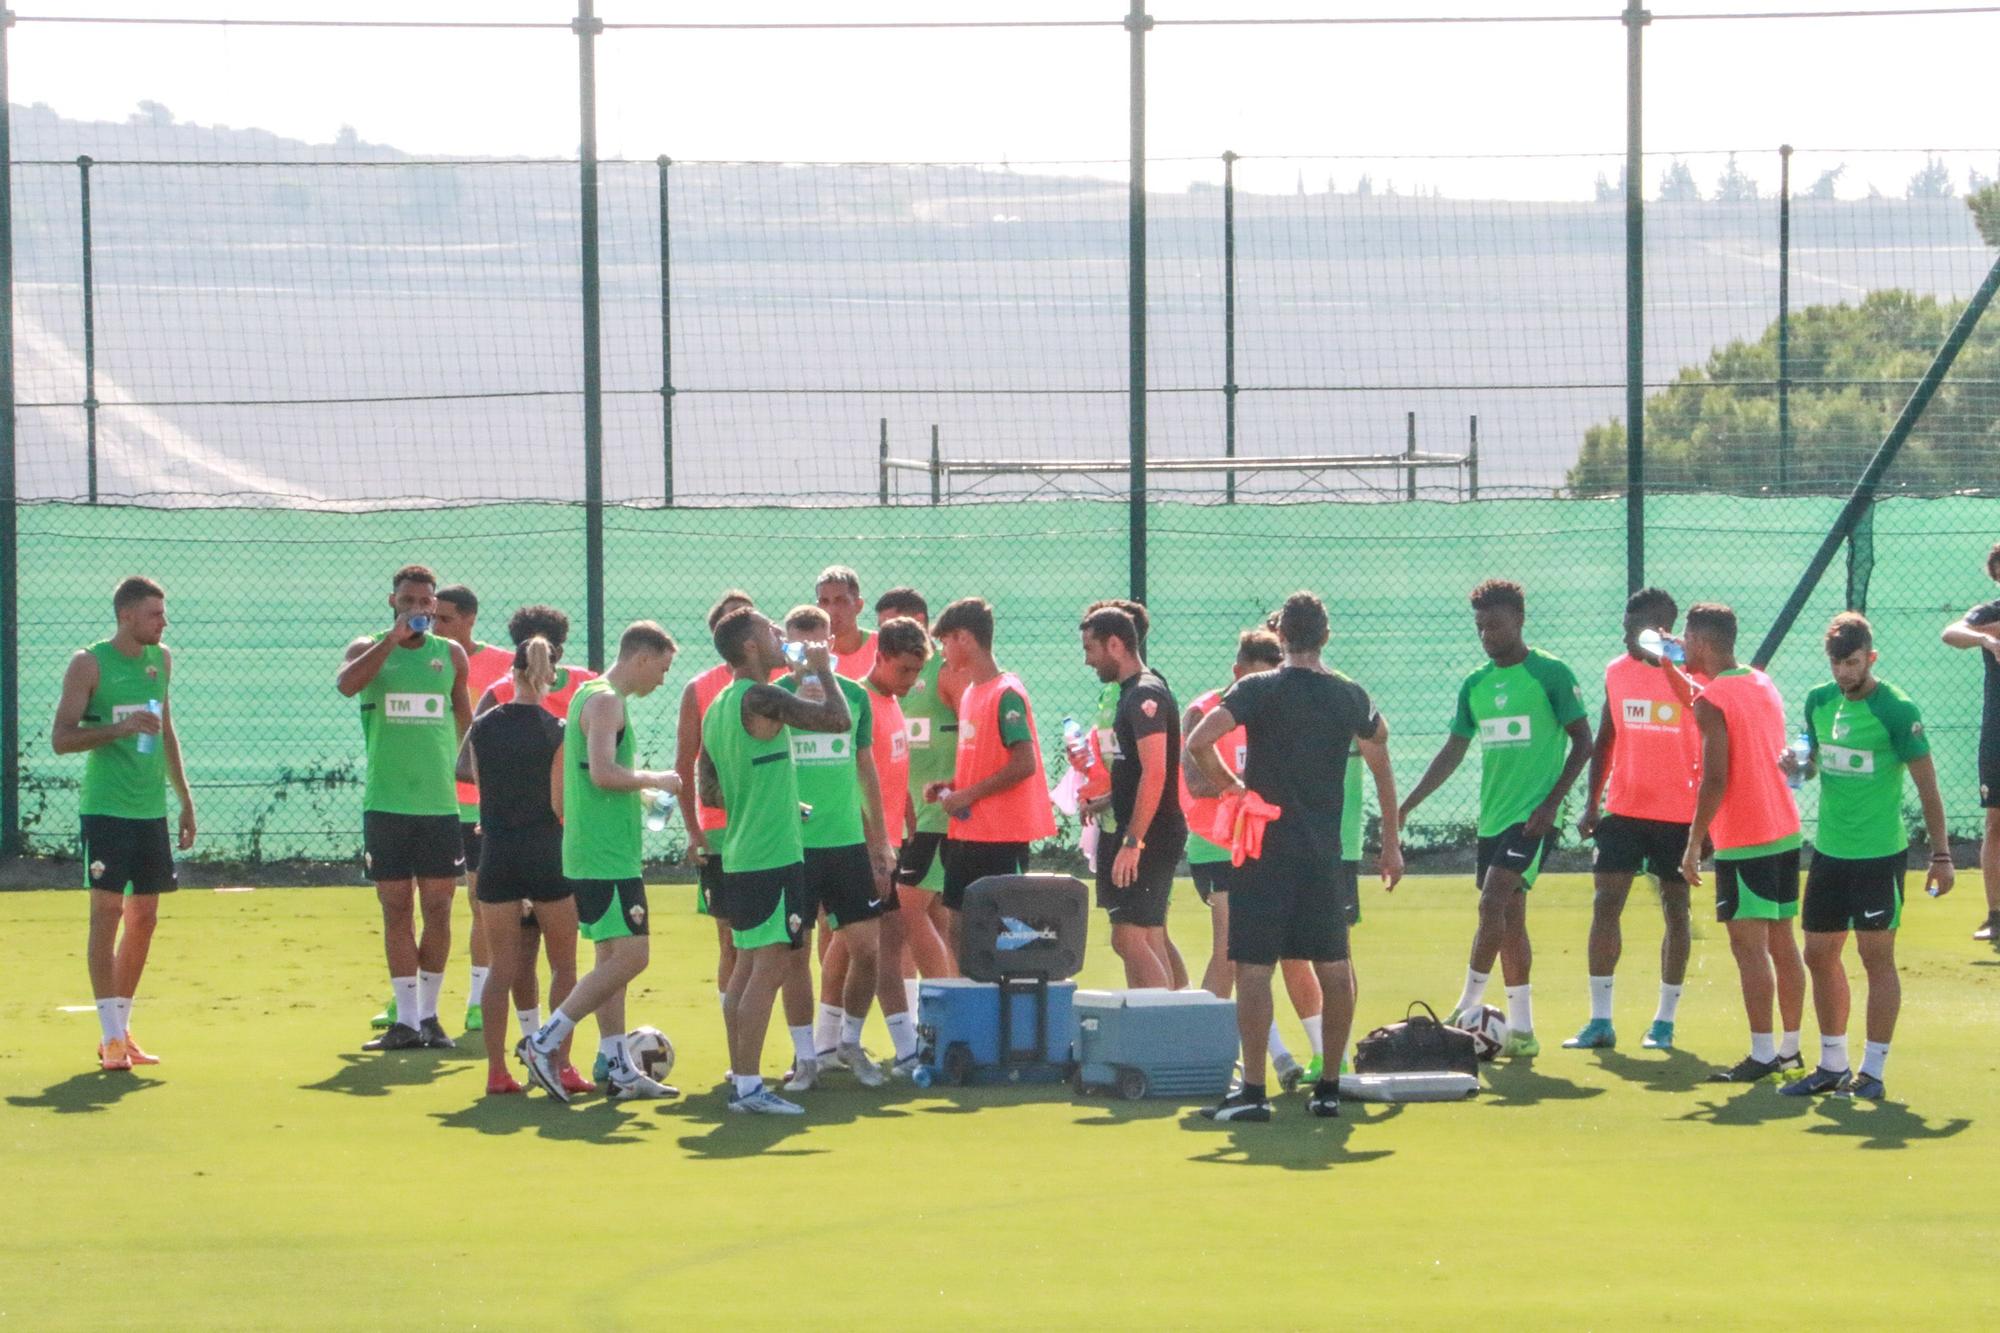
1347, 890
469, 841
708, 886
1865, 893
399, 847
609, 909
1628, 846
1283, 910
128, 856
1212, 877
841, 881
913, 860
768, 907
1989, 769
1144, 901
967, 862
521, 866
1758, 888
1512, 849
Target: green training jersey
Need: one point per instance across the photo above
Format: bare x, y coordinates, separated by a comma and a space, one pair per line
600, 828
1350, 807
411, 733
830, 772
1518, 713
760, 788
117, 778
1863, 746
1105, 724
933, 728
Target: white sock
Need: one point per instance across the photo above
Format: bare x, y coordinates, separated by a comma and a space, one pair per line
124, 1015
826, 1029
802, 1042
1600, 998
1670, 1003
1789, 1046
903, 1032
550, 1034
530, 1019
107, 1019
431, 984
1520, 1009
1315, 1033
722, 1000
1274, 1045
747, 1084
910, 990
850, 1028
1833, 1053
1763, 1047
1874, 1055
1474, 993
477, 995
405, 990
612, 1048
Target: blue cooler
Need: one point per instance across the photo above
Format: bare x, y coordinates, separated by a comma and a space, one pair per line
1155, 1043
966, 1036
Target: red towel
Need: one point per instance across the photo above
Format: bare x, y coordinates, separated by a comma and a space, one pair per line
1239, 825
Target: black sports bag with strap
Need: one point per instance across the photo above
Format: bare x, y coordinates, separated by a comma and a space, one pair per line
1417, 1045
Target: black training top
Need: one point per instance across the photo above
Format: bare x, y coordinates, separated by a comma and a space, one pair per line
1989, 723
1146, 708
513, 746
1298, 724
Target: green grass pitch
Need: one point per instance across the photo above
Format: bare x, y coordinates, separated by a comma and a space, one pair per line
269, 1175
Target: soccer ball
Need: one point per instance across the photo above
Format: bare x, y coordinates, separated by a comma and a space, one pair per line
1489, 1031
650, 1050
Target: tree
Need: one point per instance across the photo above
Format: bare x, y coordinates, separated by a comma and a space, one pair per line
151, 113
1734, 187
1364, 187
1823, 185
1607, 193
1932, 181
1677, 184
1852, 368
1985, 206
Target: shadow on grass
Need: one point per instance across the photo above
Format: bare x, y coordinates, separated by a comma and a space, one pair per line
377, 1074
1881, 1124
591, 1120
728, 1136
1307, 1144
1757, 1104
1671, 1071
92, 1090
1519, 1083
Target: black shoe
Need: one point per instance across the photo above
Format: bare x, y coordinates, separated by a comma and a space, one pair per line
434, 1035
1747, 1070
1790, 1064
1818, 1083
397, 1037
1239, 1106
1325, 1100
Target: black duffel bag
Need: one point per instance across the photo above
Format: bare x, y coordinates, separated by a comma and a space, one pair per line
1417, 1045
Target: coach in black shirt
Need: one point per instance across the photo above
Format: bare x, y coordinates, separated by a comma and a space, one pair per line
1980, 628
1298, 721
1135, 866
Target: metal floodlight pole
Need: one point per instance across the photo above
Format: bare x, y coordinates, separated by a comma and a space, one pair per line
666, 338
10, 584
1871, 477
1229, 322
587, 26
1784, 317
1636, 18
83, 165
1137, 24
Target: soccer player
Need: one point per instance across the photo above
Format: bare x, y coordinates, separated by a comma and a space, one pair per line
837, 592
1298, 722
1743, 804
595, 778
115, 711
997, 799
415, 707
704, 822
1642, 774
747, 771
1980, 628
1135, 867
1520, 705
1865, 734
902, 649
515, 745
930, 710
1209, 864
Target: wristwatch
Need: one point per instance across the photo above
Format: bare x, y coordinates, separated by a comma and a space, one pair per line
1136, 844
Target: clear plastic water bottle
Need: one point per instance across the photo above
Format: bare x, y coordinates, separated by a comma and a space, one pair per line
795, 654
659, 808
1659, 645
148, 740
944, 792
1801, 751
421, 624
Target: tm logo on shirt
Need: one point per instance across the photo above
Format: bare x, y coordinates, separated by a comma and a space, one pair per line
413, 707
1651, 714
1837, 761
809, 748
1506, 730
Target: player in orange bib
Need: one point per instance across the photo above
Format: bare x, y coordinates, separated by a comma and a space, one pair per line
1642, 776
1744, 804
997, 798
837, 592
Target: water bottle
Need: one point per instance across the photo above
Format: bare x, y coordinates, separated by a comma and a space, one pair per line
1801, 750
962, 814
147, 739
1076, 743
421, 624
659, 808
795, 655
1659, 645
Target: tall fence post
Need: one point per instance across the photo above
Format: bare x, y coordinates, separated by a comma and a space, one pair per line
1410, 452
587, 26
937, 468
1472, 459
666, 338
882, 463
1784, 318
83, 165
1137, 23
10, 586
1229, 323
1636, 18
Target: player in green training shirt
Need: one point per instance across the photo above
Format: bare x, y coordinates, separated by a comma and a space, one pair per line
1520, 705
930, 712
596, 782
747, 771
415, 706
114, 710
1865, 734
